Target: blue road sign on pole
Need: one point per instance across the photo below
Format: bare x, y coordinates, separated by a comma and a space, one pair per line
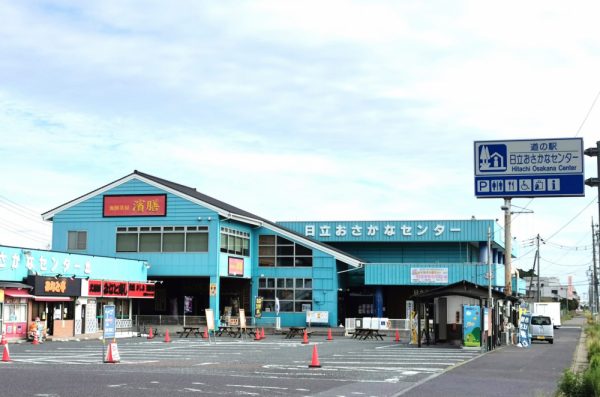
529, 168
110, 322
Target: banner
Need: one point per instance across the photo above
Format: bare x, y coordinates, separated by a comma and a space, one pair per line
471, 326
524, 334
258, 307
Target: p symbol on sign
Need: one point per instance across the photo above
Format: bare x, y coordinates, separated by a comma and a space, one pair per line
483, 186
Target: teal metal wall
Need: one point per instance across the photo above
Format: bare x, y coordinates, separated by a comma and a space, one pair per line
400, 273
17, 263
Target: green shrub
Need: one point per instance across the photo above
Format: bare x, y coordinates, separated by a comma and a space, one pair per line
570, 384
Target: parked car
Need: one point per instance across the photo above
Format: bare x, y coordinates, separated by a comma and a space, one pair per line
541, 328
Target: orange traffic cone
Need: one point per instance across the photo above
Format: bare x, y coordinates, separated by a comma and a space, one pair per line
262, 333
110, 356
305, 338
315, 359
397, 336
167, 337
6, 353
150, 334
205, 334
257, 335
329, 337
3, 341
35, 339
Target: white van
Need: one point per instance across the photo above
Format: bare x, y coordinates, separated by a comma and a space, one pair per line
541, 328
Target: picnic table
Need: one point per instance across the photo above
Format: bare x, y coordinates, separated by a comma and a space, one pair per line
293, 331
364, 333
190, 330
236, 331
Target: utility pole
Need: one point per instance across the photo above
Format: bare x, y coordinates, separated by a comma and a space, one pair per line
539, 292
489, 265
594, 274
595, 152
507, 248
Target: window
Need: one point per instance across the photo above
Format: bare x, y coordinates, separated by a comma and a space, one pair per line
294, 294
77, 241
162, 239
235, 242
281, 252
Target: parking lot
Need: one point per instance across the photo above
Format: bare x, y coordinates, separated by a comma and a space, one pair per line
229, 366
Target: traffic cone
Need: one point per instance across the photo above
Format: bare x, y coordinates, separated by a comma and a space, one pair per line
35, 339
262, 333
305, 338
397, 336
3, 341
205, 334
167, 337
257, 335
315, 359
6, 353
150, 334
110, 358
329, 337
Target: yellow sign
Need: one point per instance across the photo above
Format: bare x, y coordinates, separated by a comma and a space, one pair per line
1, 296
213, 289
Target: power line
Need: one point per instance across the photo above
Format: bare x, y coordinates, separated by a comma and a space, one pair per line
588, 113
572, 219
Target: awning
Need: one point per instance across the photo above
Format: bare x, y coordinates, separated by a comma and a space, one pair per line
53, 299
13, 284
17, 293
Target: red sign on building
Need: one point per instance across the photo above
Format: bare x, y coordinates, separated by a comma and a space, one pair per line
115, 288
141, 290
95, 288
135, 205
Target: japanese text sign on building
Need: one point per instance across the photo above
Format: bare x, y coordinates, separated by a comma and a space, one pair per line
529, 168
429, 275
135, 205
380, 231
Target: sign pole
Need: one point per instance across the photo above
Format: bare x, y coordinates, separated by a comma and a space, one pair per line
508, 248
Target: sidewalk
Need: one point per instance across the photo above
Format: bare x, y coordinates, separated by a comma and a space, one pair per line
511, 370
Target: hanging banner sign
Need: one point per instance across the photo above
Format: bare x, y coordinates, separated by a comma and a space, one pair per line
135, 205
429, 275
258, 307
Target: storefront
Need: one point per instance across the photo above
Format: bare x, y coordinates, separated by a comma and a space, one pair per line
54, 286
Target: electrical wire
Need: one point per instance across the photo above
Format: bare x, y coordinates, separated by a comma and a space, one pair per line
588, 113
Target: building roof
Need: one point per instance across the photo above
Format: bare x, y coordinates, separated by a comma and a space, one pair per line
462, 288
223, 209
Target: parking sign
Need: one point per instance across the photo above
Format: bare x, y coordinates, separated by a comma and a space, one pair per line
529, 168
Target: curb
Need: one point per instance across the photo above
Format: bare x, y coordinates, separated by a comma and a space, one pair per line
580, 363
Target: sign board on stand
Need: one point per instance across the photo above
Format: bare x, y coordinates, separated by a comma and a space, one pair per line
110, 322
529, 168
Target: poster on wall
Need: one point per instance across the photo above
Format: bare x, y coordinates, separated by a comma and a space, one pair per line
471, 326
235, 266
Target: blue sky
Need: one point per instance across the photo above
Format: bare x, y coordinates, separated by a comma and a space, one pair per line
297, 110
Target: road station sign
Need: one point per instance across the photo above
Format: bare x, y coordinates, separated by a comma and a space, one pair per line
529, 168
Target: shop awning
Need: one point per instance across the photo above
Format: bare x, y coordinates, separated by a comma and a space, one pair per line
17, 293
53, 299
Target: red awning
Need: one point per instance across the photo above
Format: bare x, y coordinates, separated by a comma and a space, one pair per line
53, 299
17, 293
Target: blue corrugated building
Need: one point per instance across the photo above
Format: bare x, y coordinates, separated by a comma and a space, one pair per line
208, 254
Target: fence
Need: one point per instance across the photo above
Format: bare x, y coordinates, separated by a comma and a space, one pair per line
400, 324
